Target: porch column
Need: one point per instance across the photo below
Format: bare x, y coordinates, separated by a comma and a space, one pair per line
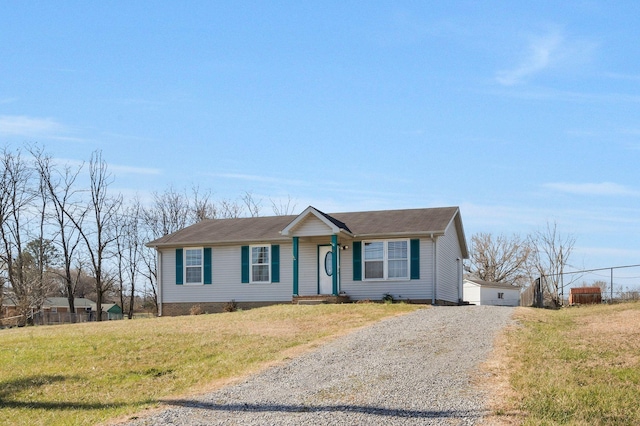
295, 266
334, 263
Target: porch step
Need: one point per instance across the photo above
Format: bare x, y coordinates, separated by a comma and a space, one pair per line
310, 302
319, 299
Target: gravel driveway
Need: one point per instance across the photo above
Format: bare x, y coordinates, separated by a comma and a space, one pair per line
412, 369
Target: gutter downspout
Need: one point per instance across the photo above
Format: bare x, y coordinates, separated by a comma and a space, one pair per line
159, 280
459, 263
435, 265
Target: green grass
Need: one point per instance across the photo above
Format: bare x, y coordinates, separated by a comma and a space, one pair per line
95, 372
575, 366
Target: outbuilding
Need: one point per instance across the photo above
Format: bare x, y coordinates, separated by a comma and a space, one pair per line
478, 292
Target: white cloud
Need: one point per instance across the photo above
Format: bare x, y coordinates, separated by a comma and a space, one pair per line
20, 125
604, 188
550, 50
538, 57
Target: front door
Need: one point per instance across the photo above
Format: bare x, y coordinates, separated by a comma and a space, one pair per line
325, 270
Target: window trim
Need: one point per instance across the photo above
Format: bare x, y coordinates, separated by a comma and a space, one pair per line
385, 260
268, 263
185, 266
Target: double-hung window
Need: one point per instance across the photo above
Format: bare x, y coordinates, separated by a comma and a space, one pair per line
193, 266
260, 264
386, 260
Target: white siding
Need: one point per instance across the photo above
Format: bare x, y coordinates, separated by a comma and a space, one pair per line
472, 293
226, 283
448, 272
312, 226
421, 289
487, 295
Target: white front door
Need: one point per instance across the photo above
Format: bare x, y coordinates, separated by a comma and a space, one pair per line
325, 270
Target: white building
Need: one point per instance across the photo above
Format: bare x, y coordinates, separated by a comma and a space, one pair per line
478, 292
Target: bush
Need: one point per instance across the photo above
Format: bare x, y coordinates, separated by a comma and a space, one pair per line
230, 306
387, 298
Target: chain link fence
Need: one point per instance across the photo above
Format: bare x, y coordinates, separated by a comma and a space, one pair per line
617, 284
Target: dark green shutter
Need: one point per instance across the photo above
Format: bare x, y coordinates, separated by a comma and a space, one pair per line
179, 267
415, 259
275, 264
357, 261
207, 265
245, 263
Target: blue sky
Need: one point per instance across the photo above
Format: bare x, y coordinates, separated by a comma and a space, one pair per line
518, 112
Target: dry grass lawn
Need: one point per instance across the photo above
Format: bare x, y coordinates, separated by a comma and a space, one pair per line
95, 372
576, 366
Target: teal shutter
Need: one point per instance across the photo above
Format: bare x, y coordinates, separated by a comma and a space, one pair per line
179, 267
207, 265
357, 261
275, 264
415, 259
245, 263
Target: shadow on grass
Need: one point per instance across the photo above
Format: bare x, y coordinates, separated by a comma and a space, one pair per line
363, 409
11, 389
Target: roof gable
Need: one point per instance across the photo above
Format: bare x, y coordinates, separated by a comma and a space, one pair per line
314, 222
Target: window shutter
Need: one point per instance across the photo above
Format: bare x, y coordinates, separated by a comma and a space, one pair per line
207, 265
275, 264
415, 259
357, 261
245, 263
179, 267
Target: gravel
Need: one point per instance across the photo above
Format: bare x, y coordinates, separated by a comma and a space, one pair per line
415, 369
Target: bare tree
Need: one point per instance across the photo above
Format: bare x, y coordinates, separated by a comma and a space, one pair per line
99, 233
16, 196
202, 207
168, 213
60, 188
282, 208
230, 209
500, 259
252, 205
129, 245
551, 254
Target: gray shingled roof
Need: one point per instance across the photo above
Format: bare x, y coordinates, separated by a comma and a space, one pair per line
360, 224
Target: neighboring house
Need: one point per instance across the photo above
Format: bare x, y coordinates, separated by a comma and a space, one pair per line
414, 255
60, 305
112, 311
478, 292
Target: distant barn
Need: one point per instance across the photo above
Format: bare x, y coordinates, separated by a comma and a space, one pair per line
585, 295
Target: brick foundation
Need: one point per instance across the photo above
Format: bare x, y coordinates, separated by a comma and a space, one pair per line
176, 309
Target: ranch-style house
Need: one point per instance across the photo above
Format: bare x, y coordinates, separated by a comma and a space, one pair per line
413, 255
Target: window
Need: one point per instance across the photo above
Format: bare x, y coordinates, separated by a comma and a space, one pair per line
500, 295
193, 266
260, 264
386, 260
